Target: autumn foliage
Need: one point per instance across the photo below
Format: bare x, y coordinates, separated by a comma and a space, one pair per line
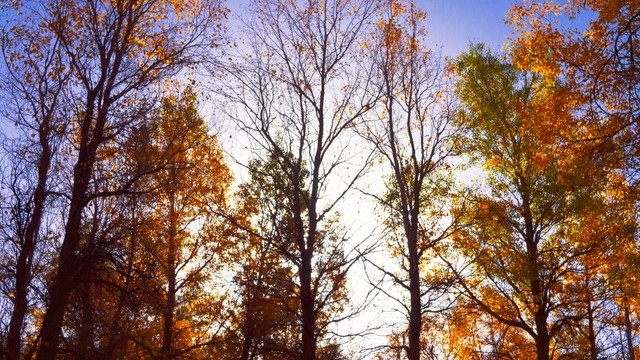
312, 180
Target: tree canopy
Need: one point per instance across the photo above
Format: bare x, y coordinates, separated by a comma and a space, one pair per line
314, 180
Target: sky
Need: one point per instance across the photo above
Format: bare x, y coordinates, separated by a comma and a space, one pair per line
454, 24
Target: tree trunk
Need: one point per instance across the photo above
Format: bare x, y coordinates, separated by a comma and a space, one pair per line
85, 338
63, 283
116, 336
308, 317
629, 333
167, 333
415, 316
249, 332
593, 349
20, 303
249, 328
542, 347
25, 258
543, 340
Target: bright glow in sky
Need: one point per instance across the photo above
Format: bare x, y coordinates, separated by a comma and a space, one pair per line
452, 25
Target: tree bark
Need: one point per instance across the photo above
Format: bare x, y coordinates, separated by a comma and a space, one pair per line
249, 333
85, 338
63, 285
90, 139
542, 347
116, 336
25, 258
415, 317
249, 328
542, 338
167, 332
308, 317
629, 333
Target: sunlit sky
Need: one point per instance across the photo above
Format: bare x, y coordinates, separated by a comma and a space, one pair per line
452, 25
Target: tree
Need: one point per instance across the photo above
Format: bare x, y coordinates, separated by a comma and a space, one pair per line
598, 63
114, 51
83, 321
298, 93
184, 237
33, 81
271, 304
265, 323
413, 134
528, 255
162, 248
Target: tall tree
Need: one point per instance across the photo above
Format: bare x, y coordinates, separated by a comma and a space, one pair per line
265, 324
114, 51
161, 247
82, 321
298, 92
415, 137
592, 48
528, 256
33, 79
184, 237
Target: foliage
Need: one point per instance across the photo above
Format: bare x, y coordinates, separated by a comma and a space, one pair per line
123, 235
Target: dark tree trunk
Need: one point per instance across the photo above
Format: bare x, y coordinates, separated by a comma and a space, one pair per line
115, 333
64, 281
629, 333
90, 139
248, 331
115, 337
167, 332
25, 257
308, 309
415, 316
85, 338
253, 314
542, 347
543, 339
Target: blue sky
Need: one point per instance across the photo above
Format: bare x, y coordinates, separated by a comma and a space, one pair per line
453, 24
